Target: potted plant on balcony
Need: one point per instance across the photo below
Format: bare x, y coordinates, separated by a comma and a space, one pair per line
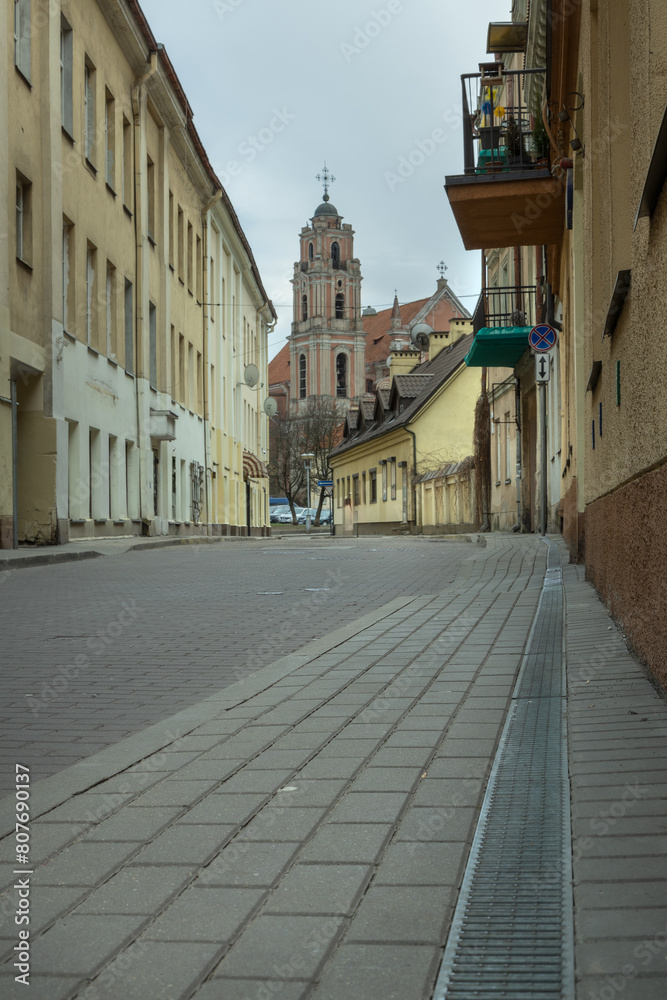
513, 141
540, 141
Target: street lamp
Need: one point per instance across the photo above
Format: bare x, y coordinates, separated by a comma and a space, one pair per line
307, 457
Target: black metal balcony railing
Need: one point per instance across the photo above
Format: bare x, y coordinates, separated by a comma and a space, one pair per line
507, 306
502, 126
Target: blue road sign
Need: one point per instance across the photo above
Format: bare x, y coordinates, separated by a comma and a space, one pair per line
325, 482
542, 337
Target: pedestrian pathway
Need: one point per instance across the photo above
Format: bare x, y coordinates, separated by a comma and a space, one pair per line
303, 834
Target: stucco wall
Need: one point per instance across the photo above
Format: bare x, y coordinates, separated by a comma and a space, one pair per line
626, 554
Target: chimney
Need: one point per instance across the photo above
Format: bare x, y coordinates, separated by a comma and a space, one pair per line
436, 342
402, 362
459, 328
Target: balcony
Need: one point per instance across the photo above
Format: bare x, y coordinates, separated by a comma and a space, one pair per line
502, 321
506, 195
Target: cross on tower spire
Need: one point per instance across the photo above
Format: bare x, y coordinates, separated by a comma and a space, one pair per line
327, 178
442, 267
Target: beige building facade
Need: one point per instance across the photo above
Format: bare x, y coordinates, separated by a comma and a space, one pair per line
130, 302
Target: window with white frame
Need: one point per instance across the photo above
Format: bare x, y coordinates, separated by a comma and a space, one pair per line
111, 311
66, 77
129, 326
91, 297
90, 112
68, 276
393, 478
508, 448
110, 139
22, 37
23, 218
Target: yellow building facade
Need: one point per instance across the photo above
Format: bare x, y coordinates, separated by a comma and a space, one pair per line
405, 463
130, 302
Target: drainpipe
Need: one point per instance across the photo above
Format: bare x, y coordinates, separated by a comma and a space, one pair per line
206, 326
15, 468
517, 409
414, 467
138, 284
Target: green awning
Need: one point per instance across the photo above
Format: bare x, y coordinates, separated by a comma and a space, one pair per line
499, 346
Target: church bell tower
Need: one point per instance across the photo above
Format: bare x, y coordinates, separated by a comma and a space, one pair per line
327, 339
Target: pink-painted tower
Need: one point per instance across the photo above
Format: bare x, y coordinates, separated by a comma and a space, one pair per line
327, 339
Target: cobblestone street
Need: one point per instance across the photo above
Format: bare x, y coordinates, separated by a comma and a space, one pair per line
96, 650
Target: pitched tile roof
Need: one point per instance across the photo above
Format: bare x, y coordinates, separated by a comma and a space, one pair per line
409, 386
279, 367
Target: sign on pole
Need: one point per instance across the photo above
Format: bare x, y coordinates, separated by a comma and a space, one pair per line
542, 367
325, 482
542, 338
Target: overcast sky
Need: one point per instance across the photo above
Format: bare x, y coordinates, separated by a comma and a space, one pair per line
279, 86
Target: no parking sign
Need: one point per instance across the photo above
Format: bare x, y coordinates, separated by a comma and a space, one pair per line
542, 338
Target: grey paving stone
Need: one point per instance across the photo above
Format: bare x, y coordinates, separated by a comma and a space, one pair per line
206, 914
79, 945
379, 972
448, 792
251, 989
363, 731
219, 727
175, 793
426, 823
135, 823
46, 904
340, 747
53, 987
369, 807
309, 792
302, 741
628, 826
281, 759
612, 847
166, 760
598, 924
46, 839
204, 770
137, 890
157, 970
185, 845
316, 888
620, 895
251, 780
386, 779
401, 757
87, 808
621, 869
638, 987
330, 767
281, 948
224, 807
422, 864
275, 823
355, 843
609, 957
454, 747
459, 767
244, 863
429, 738
403, 913
84, 864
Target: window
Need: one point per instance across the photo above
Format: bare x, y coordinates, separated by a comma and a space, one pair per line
23, 218
150, 194
373, 482
339, 498
495, 429
190, 237
68, 276
384, 481
111, 311
340, 306
369, 385
89, 105
393, 478
91, 295
335, 253
198, 270
191, 377
66, 105
22, 37
200, 383
304, 307
170, 223
181, 368
179, 235
363, 487
129, 327
152, 345
311, 251
355, 490
302, 376
127, 164
341, 375
110, 139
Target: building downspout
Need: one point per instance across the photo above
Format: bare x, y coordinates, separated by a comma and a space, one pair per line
208, 492
517, 417
414, 472
138, 282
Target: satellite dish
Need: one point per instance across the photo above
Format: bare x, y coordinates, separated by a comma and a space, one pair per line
251, 375
419, 335
270, 406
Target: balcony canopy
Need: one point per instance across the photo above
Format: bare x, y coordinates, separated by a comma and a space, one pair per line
498, 347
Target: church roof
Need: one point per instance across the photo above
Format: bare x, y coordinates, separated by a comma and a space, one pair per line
326, 208
279, 367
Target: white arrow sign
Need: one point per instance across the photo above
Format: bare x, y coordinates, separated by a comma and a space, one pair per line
542, 368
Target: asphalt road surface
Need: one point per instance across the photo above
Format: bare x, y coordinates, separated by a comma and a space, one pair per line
94, 651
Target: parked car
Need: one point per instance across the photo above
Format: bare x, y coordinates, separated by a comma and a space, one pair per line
325, 515
286, 516
275, 511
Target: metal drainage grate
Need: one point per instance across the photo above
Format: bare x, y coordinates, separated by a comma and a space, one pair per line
512, 933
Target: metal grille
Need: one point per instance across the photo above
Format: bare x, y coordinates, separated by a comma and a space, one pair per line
512, 934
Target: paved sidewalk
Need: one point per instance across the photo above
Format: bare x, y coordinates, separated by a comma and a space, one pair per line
302, 835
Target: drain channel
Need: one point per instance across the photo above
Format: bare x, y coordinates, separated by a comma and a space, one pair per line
512, 931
